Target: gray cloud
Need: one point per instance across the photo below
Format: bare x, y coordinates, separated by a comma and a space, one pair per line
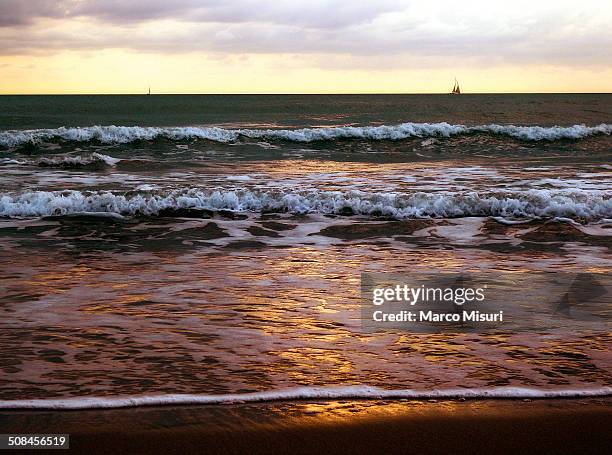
400, 33
20, 12
314, 13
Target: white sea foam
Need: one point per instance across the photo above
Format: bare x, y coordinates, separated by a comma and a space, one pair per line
239, 178
502, 220
125, 134
540, 133
146, 187
301, 393
583, 204
11, 161
76, 161
107, 159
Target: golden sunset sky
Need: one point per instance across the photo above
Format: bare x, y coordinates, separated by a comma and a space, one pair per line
336, 46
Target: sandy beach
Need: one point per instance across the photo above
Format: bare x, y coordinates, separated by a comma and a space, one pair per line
479, 426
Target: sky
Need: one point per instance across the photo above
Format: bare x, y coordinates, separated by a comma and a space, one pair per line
314, 46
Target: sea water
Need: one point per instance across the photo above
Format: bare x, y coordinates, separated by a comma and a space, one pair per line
209, 248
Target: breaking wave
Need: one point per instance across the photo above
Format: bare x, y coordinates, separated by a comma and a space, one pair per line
300, 393
94, 160
125, 134
75, 162
573, 204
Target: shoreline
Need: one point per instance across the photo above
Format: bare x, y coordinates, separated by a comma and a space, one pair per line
300, 394
333, 426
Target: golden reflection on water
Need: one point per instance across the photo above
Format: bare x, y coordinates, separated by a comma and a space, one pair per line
297, 362
254, 320
302, 167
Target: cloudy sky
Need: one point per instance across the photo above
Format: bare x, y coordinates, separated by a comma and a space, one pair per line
314, 46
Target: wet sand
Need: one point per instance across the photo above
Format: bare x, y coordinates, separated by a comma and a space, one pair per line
479, 426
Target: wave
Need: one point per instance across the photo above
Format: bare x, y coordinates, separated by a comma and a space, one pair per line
93, 160
125, 134
574, 204
75, 162
300, 393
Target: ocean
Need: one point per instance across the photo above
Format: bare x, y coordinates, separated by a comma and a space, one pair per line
199, 248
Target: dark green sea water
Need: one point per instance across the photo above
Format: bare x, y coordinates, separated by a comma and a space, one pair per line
34, 111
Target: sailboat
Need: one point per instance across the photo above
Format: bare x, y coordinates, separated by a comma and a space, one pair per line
149, 92
456, 89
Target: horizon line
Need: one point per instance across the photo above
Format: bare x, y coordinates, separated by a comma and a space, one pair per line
298, 94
